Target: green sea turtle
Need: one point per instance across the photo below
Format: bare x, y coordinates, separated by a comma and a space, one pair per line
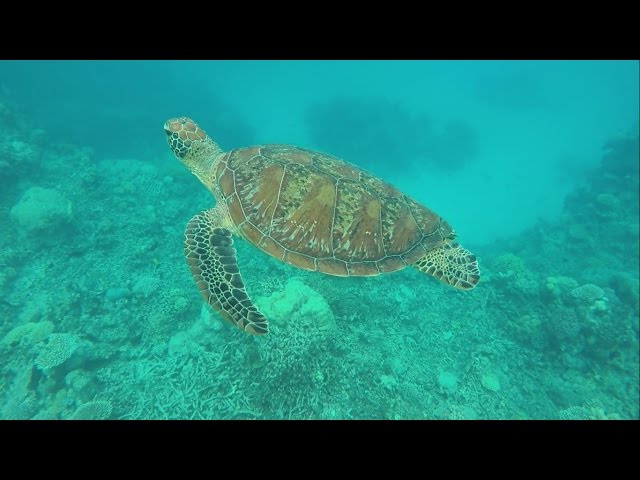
307, 209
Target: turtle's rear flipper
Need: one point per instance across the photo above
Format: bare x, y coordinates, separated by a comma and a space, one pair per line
451, 264
208, 247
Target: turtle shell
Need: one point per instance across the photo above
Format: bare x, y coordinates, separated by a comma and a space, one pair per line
318, 212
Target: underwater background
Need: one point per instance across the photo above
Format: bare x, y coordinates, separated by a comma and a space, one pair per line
533, 163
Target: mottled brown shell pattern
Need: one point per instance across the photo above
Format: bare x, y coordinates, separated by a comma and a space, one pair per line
317, 212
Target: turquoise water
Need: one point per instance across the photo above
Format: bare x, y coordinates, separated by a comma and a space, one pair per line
534, 163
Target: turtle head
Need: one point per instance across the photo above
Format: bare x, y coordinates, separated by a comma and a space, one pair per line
191, 145
183, 134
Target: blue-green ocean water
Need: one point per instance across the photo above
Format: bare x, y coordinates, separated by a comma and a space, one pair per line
534, 164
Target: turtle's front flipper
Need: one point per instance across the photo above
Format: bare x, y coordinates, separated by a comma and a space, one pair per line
451, 264
208, 247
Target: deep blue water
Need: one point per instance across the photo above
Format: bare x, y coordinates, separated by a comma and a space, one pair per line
531, 128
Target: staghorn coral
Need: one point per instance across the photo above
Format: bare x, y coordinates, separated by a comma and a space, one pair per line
288, 350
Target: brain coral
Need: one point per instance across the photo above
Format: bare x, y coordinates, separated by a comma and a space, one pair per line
40, 209
298, 304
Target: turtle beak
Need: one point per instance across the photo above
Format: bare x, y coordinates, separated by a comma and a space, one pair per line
167, 130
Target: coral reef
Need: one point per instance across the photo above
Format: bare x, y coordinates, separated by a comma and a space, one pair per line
100, 318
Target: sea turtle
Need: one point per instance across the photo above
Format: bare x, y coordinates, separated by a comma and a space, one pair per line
308, 209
